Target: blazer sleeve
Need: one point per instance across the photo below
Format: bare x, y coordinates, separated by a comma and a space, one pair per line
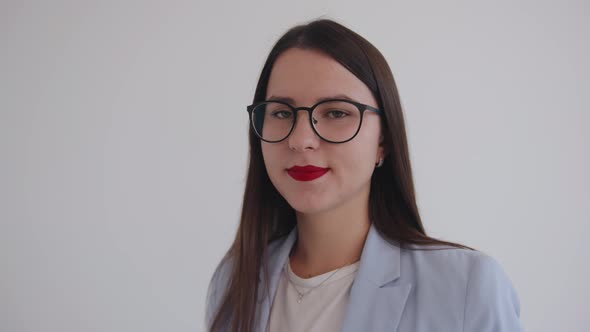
491, 302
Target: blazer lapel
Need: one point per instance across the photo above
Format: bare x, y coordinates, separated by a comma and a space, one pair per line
376, 304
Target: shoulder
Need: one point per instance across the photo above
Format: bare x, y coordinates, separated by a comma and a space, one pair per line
456, 262
216, 289
472, 281
220, 280
491, 300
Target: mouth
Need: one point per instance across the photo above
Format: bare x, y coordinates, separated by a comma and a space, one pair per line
307, 173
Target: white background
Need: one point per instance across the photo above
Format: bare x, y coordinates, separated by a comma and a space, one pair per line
123, 147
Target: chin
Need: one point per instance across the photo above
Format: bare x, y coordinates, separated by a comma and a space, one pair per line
308, 205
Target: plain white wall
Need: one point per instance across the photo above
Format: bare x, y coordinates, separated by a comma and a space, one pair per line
123, 147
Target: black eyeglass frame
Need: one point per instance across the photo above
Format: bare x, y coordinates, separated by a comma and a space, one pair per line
361, 107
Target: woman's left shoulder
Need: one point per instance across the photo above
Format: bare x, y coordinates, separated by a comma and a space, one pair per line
445, 255
473, 278
459, 264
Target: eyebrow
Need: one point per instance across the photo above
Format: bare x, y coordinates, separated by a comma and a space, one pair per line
292, 101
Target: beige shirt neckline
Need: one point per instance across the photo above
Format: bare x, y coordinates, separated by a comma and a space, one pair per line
316, 280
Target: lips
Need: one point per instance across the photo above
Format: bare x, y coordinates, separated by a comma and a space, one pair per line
307, 173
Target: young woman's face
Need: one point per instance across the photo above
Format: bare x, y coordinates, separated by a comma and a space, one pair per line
306, 76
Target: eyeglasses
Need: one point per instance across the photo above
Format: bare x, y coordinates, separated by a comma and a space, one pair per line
333, 120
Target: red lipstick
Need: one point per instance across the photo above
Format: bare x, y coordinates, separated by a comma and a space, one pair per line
306, 173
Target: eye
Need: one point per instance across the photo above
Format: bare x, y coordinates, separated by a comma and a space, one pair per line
281, 114
336, 114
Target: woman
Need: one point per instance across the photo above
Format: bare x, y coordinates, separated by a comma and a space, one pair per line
330, 238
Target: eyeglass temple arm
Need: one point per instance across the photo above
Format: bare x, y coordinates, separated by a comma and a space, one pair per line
373, 109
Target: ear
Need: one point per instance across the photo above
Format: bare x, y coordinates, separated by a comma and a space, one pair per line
381, 151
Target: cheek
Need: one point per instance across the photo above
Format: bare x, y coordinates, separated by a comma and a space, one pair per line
350, 163
266, 155
272, 157
359, 158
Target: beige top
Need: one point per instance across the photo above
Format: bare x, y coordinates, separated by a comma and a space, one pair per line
320, 309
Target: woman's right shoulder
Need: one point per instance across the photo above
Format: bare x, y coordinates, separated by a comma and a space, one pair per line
220, 279
223, 269
217, 285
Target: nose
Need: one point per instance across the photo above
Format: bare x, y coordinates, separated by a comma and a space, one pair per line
303, 137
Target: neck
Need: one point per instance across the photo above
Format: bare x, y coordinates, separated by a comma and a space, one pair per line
329, 240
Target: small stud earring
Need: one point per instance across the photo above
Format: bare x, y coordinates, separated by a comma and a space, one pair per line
380, 163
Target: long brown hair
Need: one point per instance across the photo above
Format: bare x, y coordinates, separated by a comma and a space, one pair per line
266, 215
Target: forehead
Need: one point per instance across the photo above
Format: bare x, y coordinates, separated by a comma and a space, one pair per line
308, 75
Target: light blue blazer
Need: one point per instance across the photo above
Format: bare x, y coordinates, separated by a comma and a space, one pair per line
448, 290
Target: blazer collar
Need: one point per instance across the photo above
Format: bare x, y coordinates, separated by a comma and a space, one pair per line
372, 306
